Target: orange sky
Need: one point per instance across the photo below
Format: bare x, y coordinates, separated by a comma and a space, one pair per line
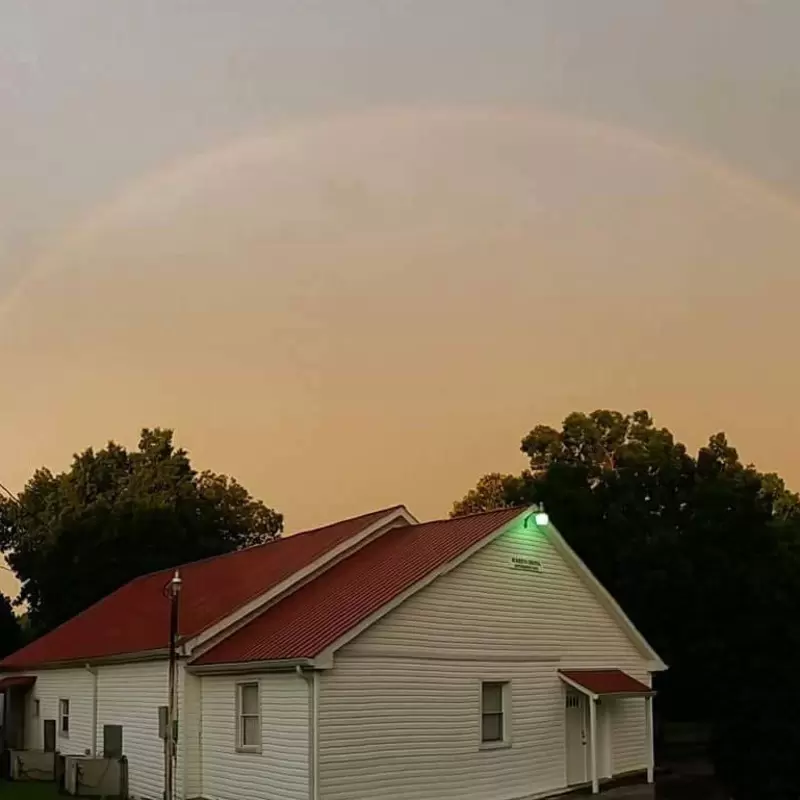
375, 309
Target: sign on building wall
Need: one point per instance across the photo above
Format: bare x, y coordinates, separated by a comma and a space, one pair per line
526, 564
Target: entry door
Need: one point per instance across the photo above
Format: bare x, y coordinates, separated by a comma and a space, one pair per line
577, 739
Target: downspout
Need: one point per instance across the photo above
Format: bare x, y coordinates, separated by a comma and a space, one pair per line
93, 672
312, 681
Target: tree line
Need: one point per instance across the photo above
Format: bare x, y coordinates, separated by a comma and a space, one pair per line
74, 537
703, 553
701, 550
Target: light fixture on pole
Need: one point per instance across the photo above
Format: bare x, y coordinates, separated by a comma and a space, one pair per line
174, 587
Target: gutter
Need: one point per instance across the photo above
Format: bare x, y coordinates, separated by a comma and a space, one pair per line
312, 681
243, 667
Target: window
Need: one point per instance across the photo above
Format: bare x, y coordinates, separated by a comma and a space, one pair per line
493, 712
36, 708
248, 734
63, 717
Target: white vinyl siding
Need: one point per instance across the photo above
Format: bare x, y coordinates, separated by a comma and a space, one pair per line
485, 618
280, 770
190, 738
130, 695
52, 686
628, 729
411, 730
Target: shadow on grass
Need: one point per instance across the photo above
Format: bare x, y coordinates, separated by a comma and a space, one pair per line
28, 790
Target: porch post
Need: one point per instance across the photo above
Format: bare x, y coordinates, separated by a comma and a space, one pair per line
593, 744
648, 715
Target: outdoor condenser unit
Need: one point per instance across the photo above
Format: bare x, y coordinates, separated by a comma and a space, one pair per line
32, 765
85, 776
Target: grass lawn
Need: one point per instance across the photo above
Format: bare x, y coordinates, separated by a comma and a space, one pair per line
21, 790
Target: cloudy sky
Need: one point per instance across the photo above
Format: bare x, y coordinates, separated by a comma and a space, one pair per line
352, 250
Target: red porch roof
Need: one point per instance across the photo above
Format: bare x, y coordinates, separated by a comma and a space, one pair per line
315, 616
16, 681
135, 618
606, 681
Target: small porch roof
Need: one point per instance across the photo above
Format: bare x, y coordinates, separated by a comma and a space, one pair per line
604, 682
17, 681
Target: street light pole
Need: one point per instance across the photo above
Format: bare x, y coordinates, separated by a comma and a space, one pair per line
169, 776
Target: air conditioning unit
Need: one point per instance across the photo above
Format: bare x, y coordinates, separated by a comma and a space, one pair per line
71, 774
32, 765
86, 776
17, 770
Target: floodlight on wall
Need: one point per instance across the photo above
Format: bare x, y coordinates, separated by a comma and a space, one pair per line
538, 516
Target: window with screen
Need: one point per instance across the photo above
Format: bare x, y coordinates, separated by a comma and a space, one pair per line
249, 717
493, 712
63, 717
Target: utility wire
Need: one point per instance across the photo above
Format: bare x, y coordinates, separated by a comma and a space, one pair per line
15, 500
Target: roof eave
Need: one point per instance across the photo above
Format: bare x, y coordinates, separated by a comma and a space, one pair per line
245, 667
77, 663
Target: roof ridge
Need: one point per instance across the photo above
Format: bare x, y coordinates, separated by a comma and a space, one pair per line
477, 514
275, 540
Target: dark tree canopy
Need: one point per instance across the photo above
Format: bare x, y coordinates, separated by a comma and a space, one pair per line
116, 514
10, 629
703, 552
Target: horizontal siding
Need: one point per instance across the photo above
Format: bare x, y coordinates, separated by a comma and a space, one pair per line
280, 770
191, 737
410, 730
628, 751
75, 685
484, 617
129, 695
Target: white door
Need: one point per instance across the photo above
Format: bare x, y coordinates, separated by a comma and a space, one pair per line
577, 739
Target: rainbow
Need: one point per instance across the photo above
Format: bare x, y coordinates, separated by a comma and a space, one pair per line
186, 176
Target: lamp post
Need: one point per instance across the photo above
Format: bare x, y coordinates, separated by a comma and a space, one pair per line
169, 773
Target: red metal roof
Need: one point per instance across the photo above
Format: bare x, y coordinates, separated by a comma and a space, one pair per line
135, 618
606, 681
307, 621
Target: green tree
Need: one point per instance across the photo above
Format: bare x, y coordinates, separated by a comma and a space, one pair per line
116, 514
701, 551
10, 631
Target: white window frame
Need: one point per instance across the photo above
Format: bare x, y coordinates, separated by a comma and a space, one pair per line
62, 716
505, 711
241, 747
36, 709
